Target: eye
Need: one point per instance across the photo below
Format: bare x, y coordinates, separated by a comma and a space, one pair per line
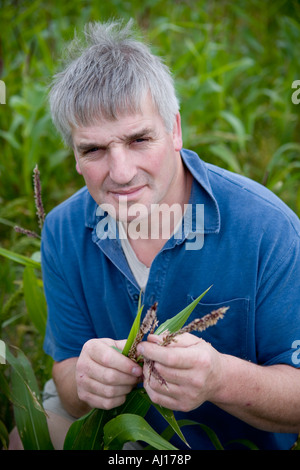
140, 140
90, 151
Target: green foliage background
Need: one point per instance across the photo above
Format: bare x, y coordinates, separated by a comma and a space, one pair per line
234, 63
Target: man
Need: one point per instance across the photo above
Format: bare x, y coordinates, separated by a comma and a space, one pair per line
114, 103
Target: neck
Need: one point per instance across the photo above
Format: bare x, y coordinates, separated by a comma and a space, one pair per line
149, 235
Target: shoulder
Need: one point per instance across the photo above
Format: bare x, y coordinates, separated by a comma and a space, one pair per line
249, 200
68, 224
73, 203
78, 210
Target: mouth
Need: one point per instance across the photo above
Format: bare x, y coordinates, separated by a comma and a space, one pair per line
129, 193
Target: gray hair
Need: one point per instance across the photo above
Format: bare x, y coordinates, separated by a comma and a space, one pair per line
107, 77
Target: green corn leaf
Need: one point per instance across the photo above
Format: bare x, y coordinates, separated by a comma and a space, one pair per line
19, 258
245, 442
87, 432
137, 402
227, 156
238, 127
134, 331
131, 428
6, 391
35, 300
212, 436
30, 417
170, 418
176, 323
4, 436
169, 432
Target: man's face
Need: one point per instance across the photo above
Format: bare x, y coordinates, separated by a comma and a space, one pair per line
132, 159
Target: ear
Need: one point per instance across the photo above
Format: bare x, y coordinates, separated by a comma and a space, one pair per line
177, 133
78, 169
77, 166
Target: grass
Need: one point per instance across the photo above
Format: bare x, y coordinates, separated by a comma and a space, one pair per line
233, 63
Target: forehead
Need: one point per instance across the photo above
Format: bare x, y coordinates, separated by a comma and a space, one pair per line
124, 126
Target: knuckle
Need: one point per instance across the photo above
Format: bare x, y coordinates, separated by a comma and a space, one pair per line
108, 392
205, 359
170, 357
88, 345
110, 403
88, 350
184, 408
106, 405
153, 396
196, 382
83, 395
106, 358
109, 376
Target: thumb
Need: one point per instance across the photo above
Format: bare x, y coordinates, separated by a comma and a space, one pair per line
119, 344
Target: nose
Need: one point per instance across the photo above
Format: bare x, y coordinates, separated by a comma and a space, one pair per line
122, 168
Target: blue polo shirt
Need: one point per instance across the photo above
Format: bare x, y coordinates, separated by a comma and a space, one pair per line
248, 250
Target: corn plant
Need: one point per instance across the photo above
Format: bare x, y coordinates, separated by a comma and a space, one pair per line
233, 64
100, 429
25, 395
110, 429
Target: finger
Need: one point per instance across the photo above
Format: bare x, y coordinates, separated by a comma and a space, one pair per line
102, 400
183, 340
161, 398
169, 357
103, 352
109, 376
120, 344
97, 393
94, 387
167, 395
171, 375
90, 369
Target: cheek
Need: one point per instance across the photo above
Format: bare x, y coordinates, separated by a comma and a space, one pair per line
159, 164
92, 174
163, 168
155, 167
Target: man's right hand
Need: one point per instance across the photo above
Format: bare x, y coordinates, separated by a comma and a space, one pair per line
104, 376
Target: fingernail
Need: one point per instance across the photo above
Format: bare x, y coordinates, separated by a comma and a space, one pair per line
136, 371
156, 339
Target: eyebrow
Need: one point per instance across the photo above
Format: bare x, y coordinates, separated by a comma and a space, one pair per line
138, 135
83, 147
127, 138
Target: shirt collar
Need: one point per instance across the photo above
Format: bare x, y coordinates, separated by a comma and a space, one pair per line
201, 194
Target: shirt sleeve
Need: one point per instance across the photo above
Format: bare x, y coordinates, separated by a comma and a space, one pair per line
68, 324
278, 298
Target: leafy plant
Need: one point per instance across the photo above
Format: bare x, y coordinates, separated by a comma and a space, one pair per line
99, 429
25, 394
112, 429
28, 409
233, 64
103, 429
